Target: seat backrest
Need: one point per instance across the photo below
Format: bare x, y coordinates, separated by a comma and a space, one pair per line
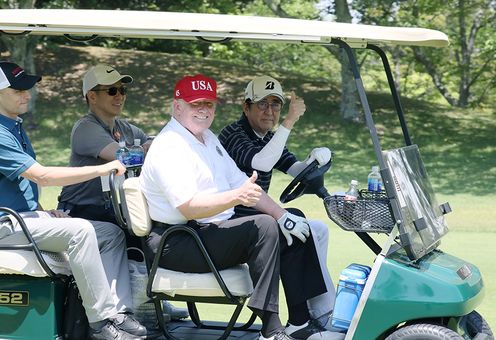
135, 208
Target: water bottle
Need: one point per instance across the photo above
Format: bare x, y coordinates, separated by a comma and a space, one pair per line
136, 153
350, 199
374, 181
122, 154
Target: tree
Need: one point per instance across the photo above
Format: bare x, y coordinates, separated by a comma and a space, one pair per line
464, 75
349, 105
470, 24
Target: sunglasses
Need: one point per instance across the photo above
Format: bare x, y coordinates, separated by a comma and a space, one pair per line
112, 91
263, 105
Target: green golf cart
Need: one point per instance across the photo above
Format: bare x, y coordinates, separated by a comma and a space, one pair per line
414, 290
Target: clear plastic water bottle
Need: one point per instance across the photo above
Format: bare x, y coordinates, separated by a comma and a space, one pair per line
374, 181
122, 154
137, 153
350, 199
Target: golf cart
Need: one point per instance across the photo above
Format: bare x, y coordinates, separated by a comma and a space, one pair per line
414, 290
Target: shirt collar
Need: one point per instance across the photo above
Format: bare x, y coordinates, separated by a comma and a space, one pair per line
116, 135
10, 123
243, 121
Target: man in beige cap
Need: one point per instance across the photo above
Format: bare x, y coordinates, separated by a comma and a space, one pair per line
254, 146
94, 140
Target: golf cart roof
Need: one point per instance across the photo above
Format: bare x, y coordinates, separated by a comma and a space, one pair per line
212, 27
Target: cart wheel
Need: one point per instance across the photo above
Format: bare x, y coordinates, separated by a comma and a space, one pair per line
474, 324
422, 331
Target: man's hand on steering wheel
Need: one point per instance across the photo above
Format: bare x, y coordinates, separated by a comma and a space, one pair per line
322, 155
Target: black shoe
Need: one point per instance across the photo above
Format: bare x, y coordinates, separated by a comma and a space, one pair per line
111, 332
280, 335
313, 330
131, 325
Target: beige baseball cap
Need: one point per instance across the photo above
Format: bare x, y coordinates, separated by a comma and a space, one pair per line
263, 86
103, 75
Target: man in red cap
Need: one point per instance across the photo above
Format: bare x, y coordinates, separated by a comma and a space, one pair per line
189, 178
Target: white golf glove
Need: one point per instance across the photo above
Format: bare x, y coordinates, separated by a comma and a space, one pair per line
321, 155
291, 224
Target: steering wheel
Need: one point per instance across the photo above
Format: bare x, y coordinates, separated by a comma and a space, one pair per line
309, 181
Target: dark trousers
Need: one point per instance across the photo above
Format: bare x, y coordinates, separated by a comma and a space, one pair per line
255, 240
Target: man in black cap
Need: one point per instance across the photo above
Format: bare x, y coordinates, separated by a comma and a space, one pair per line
96, 250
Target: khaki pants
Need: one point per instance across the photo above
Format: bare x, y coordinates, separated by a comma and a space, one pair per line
97, 257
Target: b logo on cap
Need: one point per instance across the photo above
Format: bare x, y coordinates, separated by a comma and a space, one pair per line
178, 94
270, 85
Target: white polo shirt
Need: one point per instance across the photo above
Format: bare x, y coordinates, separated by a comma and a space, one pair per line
178, 166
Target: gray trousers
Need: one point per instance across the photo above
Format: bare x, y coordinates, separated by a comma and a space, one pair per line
254, 240
97, 257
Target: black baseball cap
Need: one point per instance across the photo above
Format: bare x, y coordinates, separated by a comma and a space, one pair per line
16, 77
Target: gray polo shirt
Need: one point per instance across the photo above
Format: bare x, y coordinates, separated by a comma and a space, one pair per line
89, 137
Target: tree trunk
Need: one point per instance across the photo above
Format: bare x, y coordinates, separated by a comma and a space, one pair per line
349, 95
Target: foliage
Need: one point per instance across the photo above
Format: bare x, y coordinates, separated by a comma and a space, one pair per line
463, 73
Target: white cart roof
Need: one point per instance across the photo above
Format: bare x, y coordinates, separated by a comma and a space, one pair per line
170, 25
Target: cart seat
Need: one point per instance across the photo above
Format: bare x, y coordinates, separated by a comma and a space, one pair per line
169, 282
24, 262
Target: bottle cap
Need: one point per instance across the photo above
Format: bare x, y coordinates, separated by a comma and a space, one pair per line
354, 182
375, 168
122, 143
137, 142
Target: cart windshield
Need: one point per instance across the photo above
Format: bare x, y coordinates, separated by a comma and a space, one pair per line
422, 221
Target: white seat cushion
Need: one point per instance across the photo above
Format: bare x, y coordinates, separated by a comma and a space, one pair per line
136, 207
24, 262
170, 282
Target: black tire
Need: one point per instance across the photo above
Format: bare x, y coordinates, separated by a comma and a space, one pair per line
473, 324
424, 331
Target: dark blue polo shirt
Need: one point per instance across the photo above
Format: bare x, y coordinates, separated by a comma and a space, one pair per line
243, 144
16, 156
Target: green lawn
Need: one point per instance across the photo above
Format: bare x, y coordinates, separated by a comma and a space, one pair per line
458, 145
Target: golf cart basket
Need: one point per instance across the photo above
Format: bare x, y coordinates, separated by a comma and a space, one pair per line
370, 213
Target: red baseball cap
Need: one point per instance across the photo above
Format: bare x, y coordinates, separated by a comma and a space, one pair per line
195, 88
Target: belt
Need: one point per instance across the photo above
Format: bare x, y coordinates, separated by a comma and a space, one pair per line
191, 223
156, 224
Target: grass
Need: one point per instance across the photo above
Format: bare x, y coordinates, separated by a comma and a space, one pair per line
457, 145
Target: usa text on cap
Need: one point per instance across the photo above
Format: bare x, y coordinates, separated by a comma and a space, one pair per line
195, 88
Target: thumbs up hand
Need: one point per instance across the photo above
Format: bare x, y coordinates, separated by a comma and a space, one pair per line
249, 193
296, 109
